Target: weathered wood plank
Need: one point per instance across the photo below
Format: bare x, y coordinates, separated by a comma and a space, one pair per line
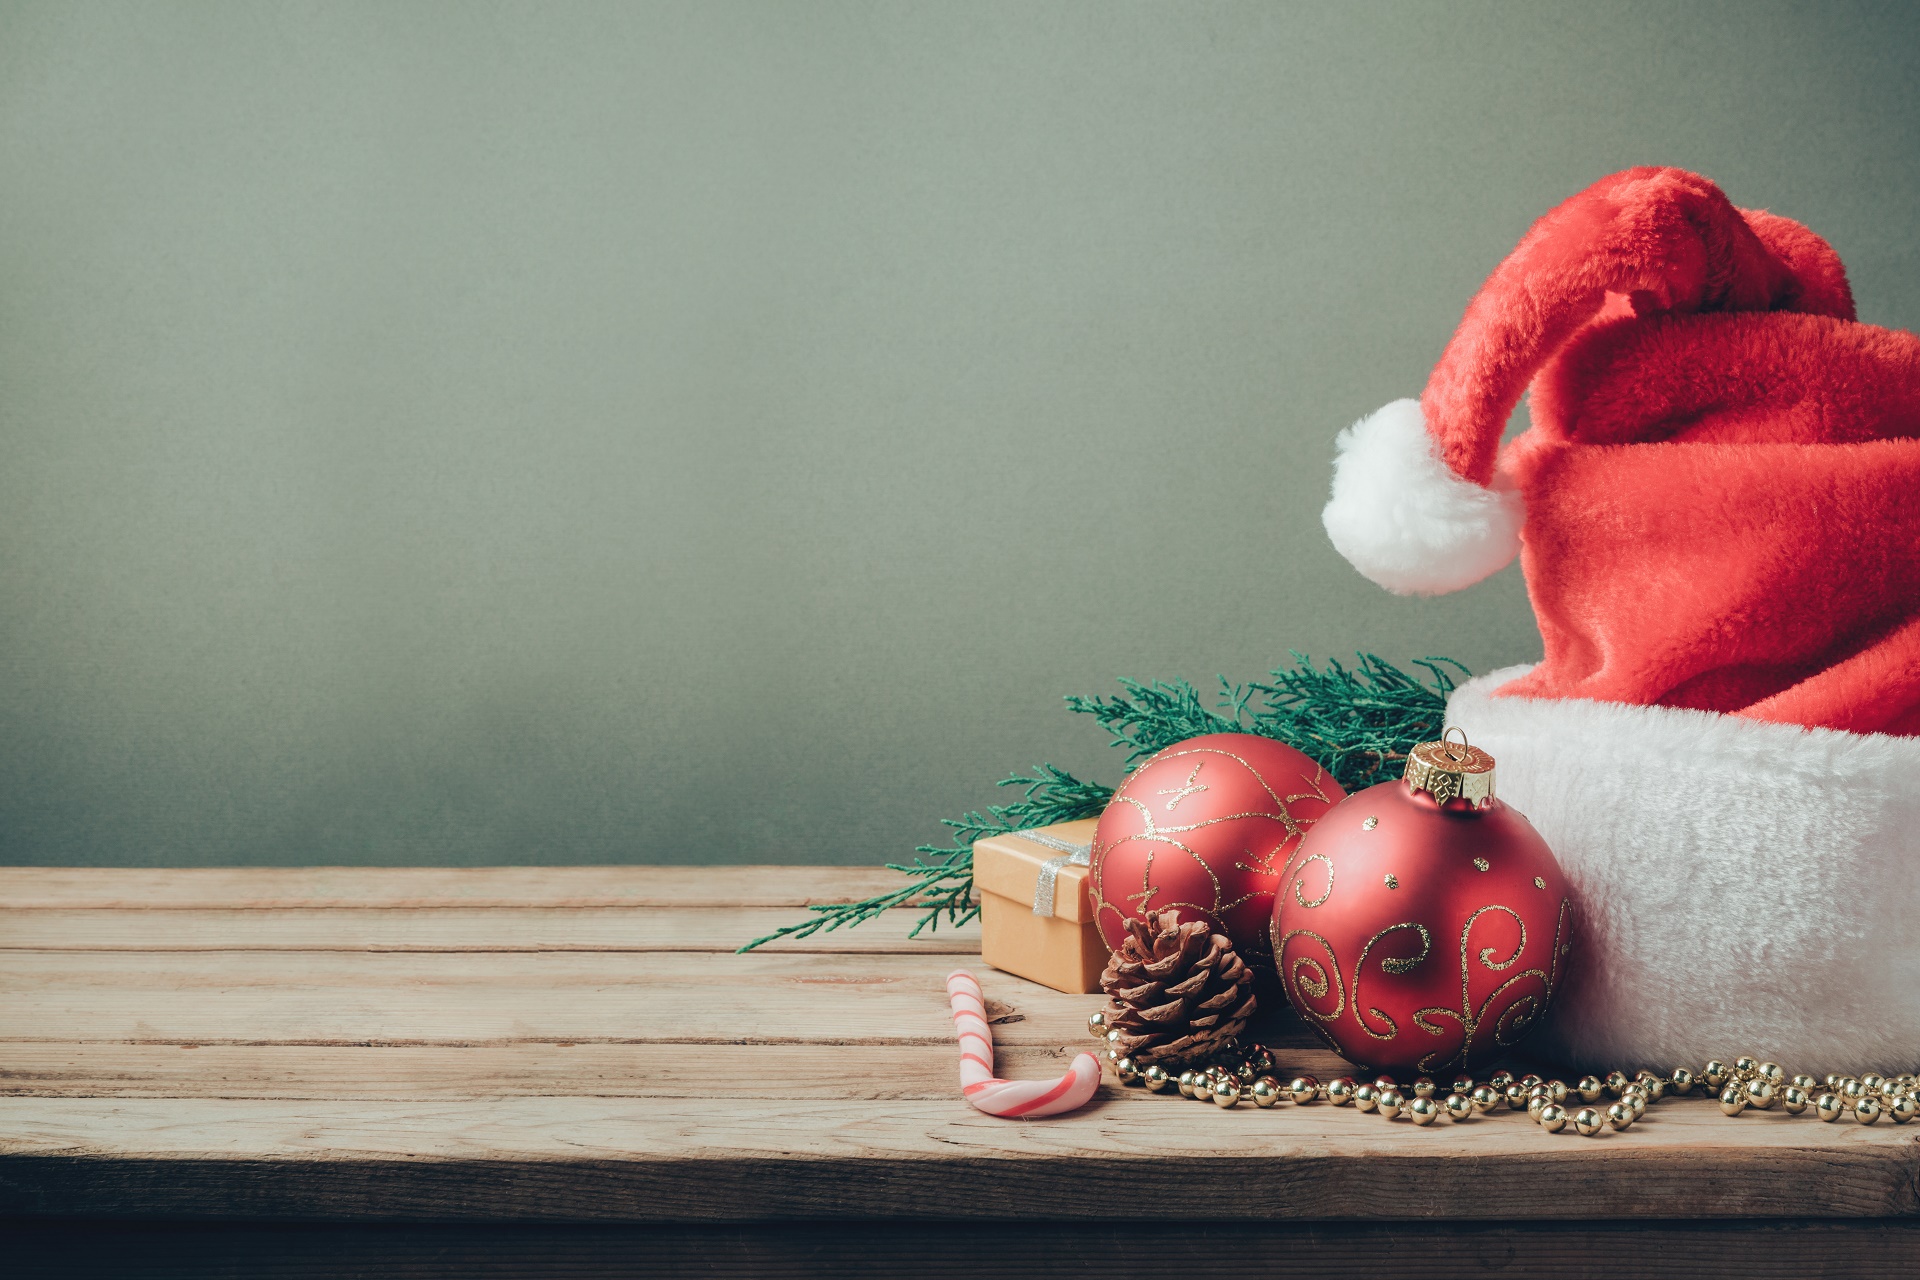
1792, 1250
236, 888
566, 1044
484, 997
731, 1159
655, 928
411, 1073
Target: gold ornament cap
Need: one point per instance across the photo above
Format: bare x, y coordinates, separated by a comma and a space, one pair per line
1448, 770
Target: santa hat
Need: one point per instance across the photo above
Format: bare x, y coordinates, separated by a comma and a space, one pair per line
1717, 509
1720, 493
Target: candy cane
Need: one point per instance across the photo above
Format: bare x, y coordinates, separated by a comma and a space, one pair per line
1010, 1098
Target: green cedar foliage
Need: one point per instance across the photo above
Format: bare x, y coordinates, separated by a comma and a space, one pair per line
1357, 722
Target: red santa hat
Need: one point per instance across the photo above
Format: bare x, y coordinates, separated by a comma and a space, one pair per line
1718, 504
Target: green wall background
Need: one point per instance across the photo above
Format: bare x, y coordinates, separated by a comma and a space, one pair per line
467, 433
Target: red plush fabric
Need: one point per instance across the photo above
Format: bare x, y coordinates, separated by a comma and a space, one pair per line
1723, 476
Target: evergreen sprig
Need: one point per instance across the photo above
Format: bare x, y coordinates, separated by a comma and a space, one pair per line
941, 877
1357, 722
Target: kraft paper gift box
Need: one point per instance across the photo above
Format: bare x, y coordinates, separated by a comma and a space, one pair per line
1036, 916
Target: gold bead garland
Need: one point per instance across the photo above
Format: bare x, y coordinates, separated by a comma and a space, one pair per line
1245, 1073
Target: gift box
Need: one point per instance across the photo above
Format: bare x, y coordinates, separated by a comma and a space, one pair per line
1036, 917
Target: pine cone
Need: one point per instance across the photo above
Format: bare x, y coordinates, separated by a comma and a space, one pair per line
1177, 992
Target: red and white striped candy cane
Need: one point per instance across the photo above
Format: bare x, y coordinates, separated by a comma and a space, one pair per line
1010, 1098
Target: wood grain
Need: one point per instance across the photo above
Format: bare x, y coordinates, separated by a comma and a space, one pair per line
489, 998
540, 1045
457, 929
733, 1158
407, 1073
401, 888
1220, 1250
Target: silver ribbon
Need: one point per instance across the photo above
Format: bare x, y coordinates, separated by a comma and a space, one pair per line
1079, 855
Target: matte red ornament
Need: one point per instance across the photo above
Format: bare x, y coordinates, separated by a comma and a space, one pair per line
1419, 933
1205, 828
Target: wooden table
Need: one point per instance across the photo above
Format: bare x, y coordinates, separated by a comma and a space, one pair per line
531, 1071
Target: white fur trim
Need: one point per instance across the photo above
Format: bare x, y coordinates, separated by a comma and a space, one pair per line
1400, 516
1741, 887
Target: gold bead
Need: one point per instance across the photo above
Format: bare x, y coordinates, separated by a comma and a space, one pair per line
1590, 1088
1125, 1071
1557, 1090
1383, 1083
1304, 1089
1226, 1093
1872, 1082
1340, 1092
1903, 1108
1423, 1110
1530, 1081
1156, 1079
1537, 1102
1187, 1082
1733, 1100
1773, 1073
1423, 1086
1097, 1025
1745, 1066
1682, 1080
1714, 1075
1794, 1099
1365, 1097
1245, 1075
1392, 1102
1828, 1107
1516, 1096
1463, 1084
1113, 1035
1867, 1110
1552, 1117
1806, 1083
1587, 1121
1500, 1079
1264, 1091
1833, 1080
1654, 1084
1458, 1106
1202, 1087
1619, 1116
1760, 1094
1852, 1090
1637, 1100
1484, 1098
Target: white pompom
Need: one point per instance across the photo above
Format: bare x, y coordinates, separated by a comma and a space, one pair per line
1404, 519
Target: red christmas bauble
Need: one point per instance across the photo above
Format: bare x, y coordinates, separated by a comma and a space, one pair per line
1421, 933
1205, 828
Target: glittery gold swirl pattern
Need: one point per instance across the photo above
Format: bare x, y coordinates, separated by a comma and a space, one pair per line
1300, 881
1394, 965
1313, 977
1517, 1015
1146, 897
